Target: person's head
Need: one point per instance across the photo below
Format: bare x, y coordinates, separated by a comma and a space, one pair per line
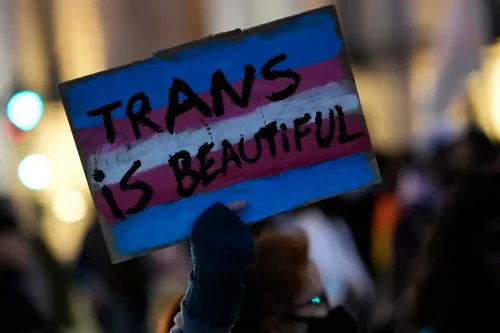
283, 290
461, 260
280, 283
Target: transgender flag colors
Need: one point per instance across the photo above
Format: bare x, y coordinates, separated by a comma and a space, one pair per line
269, 115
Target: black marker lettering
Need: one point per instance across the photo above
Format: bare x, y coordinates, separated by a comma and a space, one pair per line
184, 158
270, 75
108, 195
268, 133
284, 138
147, 190
98, 175
297, 133
220, 83
105, 112
327, 141
228, 155
141, 116
206, 164
344, 137
110, 199
176, 108
241, 149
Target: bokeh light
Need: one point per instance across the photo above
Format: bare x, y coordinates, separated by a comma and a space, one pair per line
25, 109
69, 206
495, 96
34, 172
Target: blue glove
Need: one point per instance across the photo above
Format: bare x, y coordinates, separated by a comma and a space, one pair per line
221, 246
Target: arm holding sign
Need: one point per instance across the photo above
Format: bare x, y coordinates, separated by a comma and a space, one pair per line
221, 247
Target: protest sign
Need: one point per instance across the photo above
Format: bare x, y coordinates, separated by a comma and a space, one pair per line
270, 115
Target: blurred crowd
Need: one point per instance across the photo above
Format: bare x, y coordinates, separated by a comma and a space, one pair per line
419, 252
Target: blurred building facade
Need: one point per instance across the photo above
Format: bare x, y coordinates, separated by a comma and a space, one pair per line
6, 81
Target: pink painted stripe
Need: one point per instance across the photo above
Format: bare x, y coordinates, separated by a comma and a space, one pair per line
164, 183
93, 140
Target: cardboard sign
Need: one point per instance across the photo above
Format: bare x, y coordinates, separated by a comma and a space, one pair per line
270, 115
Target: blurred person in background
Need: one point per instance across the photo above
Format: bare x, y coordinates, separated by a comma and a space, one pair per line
332, 248
56, 280
355, 208
451, 156
119, 293
421, 187
418, 199
456, 287
239, 286
23, 308
397, 220
419, 193
386, 211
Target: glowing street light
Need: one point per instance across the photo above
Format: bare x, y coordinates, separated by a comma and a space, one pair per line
69, 206
34, 172
25, 109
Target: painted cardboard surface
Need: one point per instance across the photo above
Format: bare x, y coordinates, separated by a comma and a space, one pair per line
270, 115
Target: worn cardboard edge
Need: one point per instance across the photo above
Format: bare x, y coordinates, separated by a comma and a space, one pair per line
233, 35
108, 236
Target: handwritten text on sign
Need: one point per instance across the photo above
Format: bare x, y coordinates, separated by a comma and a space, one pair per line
270, 115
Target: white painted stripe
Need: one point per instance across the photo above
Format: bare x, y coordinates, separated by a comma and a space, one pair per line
157, 150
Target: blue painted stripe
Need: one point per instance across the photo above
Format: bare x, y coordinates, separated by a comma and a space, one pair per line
171, 222
306, 40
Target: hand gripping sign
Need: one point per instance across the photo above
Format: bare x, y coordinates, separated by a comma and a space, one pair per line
270, 115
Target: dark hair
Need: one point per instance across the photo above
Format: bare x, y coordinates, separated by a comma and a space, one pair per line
451, 277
